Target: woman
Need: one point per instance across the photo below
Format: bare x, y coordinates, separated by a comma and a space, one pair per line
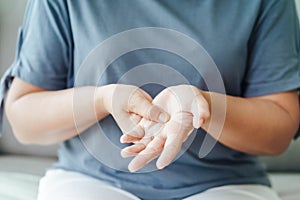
255, 45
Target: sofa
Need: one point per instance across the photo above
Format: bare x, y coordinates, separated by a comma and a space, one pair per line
22, 166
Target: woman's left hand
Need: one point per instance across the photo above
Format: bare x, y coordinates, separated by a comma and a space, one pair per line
188, 110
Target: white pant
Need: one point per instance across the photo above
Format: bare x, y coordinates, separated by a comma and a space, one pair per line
66, 185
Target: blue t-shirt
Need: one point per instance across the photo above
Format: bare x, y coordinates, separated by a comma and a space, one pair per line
254, 44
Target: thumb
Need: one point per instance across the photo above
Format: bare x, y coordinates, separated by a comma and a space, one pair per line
200, 111
141, 104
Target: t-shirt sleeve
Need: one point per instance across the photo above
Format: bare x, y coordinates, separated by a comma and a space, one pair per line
273, 62
44, 48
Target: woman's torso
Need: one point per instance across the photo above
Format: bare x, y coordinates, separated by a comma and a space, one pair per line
223, 28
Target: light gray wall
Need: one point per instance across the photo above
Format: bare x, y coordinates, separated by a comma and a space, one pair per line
11, 15
298, 5
11, 18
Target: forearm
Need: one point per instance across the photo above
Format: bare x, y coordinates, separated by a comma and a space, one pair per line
255, 126
48, 117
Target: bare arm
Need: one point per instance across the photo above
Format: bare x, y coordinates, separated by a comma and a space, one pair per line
47, 117
261, 125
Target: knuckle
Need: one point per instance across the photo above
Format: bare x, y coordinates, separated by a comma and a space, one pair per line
151, 149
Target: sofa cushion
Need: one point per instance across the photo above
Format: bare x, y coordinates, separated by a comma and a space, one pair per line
287, 185
18, 186
25, 164
288, 161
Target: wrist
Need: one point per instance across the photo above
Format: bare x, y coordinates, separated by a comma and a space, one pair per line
207, 96
103, 99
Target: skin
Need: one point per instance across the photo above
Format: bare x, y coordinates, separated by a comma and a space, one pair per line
262, 125
45, 117
188, 110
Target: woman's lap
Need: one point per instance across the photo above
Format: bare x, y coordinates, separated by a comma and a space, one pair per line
237, 192
60, 184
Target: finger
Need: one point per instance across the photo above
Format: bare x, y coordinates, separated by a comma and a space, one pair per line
168, 154
140, 104
171, 148
200, 111
132, 150
152, 150
128, 139
128, 125
135, 118
136, 148
151, 128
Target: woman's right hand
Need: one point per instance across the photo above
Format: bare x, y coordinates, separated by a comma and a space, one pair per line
128, 104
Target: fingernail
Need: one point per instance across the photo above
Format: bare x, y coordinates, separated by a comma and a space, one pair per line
131, 168
160, 165
123, 154
163, 117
